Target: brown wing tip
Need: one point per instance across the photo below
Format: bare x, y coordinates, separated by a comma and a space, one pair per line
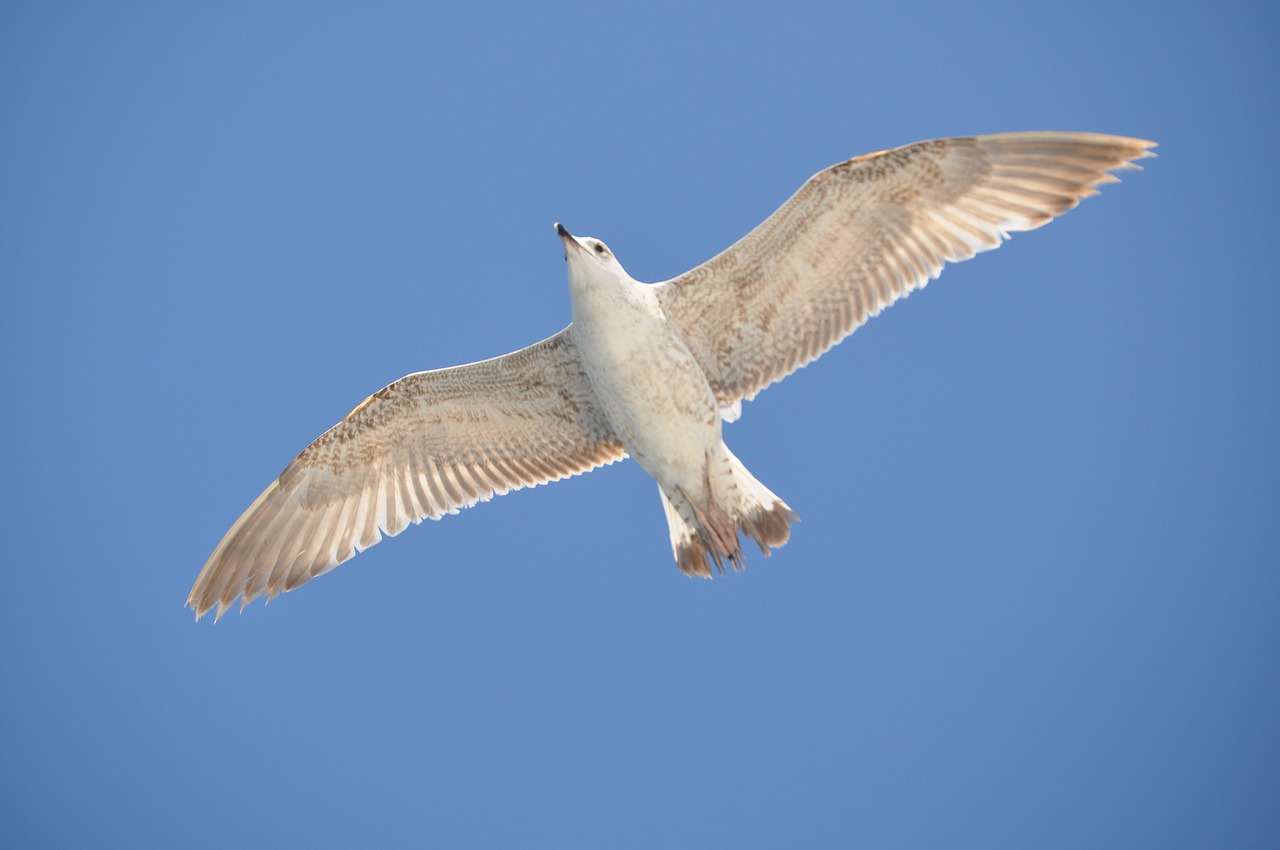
1118, 148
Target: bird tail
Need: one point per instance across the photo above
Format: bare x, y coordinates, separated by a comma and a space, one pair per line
735, 502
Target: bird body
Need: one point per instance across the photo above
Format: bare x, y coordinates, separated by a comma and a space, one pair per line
663, 409
653, 370
645, 379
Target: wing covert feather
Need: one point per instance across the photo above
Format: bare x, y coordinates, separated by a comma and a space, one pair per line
862, 234
427, 445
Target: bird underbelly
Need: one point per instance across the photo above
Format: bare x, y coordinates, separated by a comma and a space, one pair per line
657, 399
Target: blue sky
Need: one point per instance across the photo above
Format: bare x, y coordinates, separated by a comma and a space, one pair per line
1032, 601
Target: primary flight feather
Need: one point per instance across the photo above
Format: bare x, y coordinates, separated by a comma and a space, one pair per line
652, 370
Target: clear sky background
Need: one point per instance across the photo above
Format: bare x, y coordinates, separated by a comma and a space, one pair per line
1034, 600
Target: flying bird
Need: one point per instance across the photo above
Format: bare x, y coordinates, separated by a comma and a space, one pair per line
652, 371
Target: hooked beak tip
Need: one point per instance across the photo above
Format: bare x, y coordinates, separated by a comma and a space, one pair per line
562, 232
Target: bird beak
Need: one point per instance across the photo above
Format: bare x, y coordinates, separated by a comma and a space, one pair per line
566, 237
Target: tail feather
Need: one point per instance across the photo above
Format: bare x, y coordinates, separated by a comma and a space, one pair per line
706, 534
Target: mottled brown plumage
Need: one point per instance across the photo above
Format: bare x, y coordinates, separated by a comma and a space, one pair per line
428, 445
854, 239
862, 234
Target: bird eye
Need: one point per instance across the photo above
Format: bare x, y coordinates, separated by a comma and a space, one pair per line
599, 247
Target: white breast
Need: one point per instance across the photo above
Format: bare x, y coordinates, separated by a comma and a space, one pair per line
645, 378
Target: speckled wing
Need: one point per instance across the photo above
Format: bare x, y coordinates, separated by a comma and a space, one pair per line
862, 234
427, 445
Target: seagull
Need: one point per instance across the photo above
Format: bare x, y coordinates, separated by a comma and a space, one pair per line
652, 371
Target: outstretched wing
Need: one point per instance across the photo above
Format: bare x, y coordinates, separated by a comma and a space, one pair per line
862, 234
427, 445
